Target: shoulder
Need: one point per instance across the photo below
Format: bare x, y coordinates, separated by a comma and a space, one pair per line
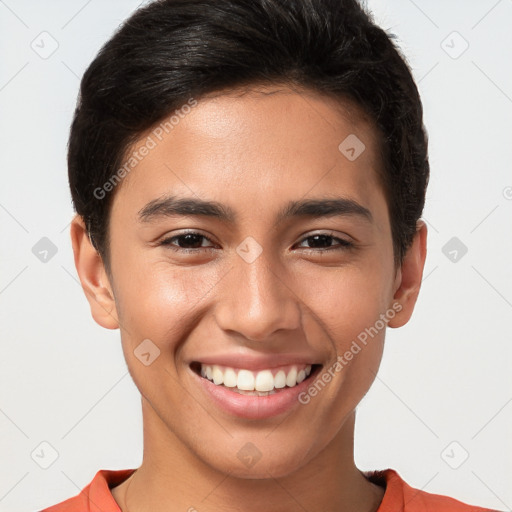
401, 497
96, 496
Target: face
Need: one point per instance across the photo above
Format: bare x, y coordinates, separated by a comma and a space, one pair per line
249, 250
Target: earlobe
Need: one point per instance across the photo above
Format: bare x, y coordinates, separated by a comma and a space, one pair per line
409, 277
93, 276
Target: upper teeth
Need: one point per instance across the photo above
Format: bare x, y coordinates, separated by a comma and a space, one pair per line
263, 380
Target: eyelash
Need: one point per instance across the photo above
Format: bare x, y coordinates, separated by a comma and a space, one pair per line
342, 244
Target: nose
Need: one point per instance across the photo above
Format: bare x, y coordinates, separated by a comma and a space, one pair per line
257, 300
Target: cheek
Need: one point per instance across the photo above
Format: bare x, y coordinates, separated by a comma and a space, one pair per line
350, 313
350, 307
157, 298
349, 300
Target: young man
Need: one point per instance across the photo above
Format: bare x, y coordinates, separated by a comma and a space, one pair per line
248, 178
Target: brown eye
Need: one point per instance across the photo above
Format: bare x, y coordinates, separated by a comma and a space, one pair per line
187, 241
323, 241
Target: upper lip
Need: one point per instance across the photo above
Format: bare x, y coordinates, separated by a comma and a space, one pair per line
256, 362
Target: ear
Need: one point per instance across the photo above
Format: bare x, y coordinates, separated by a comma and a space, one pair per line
409, 276
93, 276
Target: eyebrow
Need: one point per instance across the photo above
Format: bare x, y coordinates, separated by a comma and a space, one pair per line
170, 206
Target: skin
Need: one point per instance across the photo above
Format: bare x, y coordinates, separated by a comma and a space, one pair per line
253, 151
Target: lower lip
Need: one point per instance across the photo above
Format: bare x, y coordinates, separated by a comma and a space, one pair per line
254, 407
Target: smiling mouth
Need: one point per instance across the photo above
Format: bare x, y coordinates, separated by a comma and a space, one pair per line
255, 383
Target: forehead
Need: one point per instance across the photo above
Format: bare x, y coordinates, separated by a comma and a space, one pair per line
277, 119
257, 146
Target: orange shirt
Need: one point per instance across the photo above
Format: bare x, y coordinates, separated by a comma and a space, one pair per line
398, 497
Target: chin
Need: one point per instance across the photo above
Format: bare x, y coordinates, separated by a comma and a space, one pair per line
252, 464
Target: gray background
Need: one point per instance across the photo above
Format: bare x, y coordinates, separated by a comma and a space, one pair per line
440, 410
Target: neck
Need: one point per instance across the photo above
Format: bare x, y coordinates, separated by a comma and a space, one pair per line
170, 479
